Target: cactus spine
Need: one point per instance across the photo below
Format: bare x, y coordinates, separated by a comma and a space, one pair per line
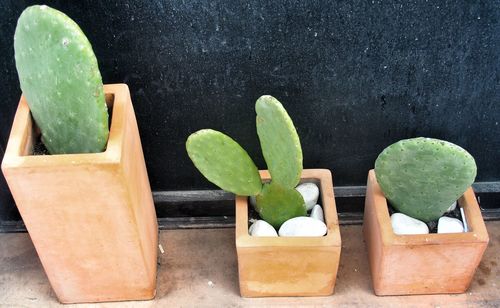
61, 81
422, 177
223, 162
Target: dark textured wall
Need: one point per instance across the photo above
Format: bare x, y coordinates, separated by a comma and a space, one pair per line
355, 76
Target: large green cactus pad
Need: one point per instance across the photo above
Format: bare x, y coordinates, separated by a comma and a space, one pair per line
224, 162
422, 177
279, 141
60, 79
276, 204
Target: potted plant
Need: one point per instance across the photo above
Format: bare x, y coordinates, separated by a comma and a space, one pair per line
421, 178
85, 200
304, 259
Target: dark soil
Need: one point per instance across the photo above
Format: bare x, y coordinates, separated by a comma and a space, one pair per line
252, 213
39, 148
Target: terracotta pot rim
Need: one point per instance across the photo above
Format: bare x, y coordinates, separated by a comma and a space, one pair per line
477, 229
332, 238
15, 154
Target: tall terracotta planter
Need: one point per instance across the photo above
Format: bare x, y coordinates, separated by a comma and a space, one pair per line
289, 266
91, 216
425, 263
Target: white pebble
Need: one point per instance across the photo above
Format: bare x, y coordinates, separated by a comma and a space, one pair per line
302, 226
450, 225
310, 193
262, 228
452, 207
404, 224
317, 213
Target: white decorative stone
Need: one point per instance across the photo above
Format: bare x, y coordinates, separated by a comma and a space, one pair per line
452, 207
262, 228
317, 213
310, 193
450, 225
302, 226
404, 224
464, 220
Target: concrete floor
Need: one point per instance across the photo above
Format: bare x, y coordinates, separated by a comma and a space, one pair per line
199, 269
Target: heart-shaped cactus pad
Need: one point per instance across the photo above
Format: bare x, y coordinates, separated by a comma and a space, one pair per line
422, 177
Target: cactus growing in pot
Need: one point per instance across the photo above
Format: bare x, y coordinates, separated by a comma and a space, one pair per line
58, 196
422, 177
60, 79
226, 164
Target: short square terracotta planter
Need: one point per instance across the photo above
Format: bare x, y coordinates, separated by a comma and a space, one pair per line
91, 217
425, 263
290, 266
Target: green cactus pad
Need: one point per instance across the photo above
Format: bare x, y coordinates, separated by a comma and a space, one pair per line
224, 162
276, 204
279, 141
60, 79
422, 177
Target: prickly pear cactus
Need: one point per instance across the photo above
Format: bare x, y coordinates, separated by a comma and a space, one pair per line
279, 141
422, 177
224, 162
60, 79
276, 204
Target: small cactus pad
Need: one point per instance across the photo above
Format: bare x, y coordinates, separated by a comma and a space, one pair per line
224, 162
276, 204
61, 81
279, 142
422, 177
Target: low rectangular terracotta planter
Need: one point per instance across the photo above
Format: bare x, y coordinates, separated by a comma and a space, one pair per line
91, 216
289, 266
424, 263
